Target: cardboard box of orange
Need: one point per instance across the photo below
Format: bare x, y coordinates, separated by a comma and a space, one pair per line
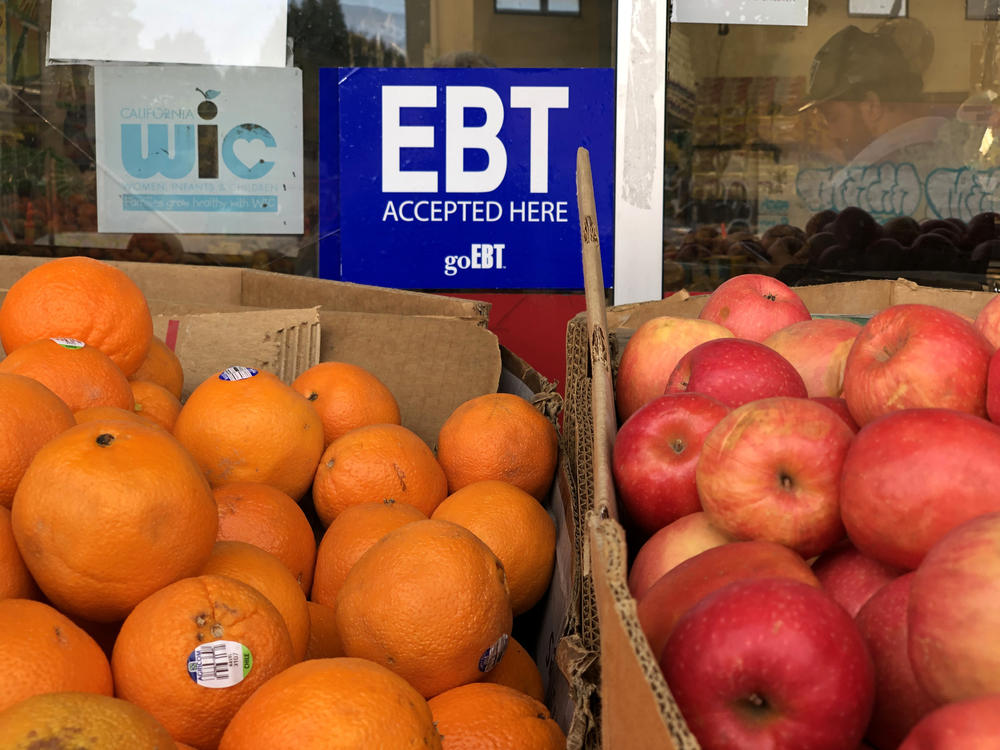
632, 706
433, 352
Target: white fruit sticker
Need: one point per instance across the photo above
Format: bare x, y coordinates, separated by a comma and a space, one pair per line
237, 373
69, 343
491, 656
219, 664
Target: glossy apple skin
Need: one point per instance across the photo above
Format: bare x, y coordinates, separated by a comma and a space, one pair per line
987, 321
654, 458
771, 470
651, 354
770, 663
669, 547
993, 388
913, 475
680, 588
954, 613
900, 702
850, 576
839, 405
973, 724
817, 348
753, 306
916, 356
735, 371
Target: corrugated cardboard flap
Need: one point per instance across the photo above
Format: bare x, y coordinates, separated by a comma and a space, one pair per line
248, 287
849, 298
431, 364
640, 712
284, 342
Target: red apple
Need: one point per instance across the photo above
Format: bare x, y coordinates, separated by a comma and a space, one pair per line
900, 702
679, 589
735, 371
851, 577
912, 475
987, 322
654, 458
973, 724
954, 613
993, 388
817, 349
771, 470
839, 405
753, 306
916, 356
669, 547
770, 663
650, 355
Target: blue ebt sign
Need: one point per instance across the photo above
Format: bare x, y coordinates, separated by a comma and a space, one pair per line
462, 178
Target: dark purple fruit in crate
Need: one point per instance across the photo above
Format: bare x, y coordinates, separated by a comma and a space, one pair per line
903, 229
819, 220
855, 227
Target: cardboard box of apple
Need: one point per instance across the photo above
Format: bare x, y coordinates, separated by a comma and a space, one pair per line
813, 510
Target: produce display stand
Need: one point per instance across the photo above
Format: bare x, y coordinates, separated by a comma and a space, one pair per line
632, 707
433, 352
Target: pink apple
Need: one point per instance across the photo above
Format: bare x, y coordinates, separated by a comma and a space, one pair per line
771, 470
954, 613
916, 356
680, 588
735, 371
912, 475
839, 405
753, 306
770, 663
987, 322
654, 458
973, 724
669, 547
899, 701
650, 355
817, 349
850, 576
993, 388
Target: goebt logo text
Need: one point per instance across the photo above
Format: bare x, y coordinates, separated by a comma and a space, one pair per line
461, 137
147, 152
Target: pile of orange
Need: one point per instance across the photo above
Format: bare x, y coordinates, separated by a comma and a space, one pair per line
251, 563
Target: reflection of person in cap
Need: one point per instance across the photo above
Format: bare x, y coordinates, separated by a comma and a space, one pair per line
869, 86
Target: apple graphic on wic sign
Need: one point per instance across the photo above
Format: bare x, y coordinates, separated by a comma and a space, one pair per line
676, 591
900, 702
916, 356
669, 547
770, 663
911, 476
770, 469
735, 371
817, 348
650, 355
654, 457
753, 306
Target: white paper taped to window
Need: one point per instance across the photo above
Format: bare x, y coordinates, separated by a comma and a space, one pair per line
751, 12
220, 32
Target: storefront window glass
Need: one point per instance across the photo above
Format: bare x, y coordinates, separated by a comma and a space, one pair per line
47, 126
860, 146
